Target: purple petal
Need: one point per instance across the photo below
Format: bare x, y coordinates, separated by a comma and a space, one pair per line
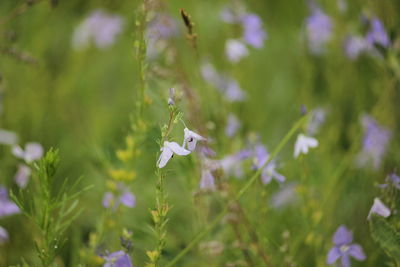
108, 200
357, 252
333, 255
345, 260
22, 175
207, 181
342, 236
128, 199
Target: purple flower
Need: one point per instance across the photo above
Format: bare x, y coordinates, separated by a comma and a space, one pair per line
100, 28
254, 33
317, 119
319, 30
377, 33
7, 207
285, 196
117, 259
391, 179
207, 181
268, 172
33, 151
3, 235
354, 46
122, 196
161, 28
22, 175
168, 151
375, 142
232, 126
343, 248
190, 139
232, 164
235, 50
379, 208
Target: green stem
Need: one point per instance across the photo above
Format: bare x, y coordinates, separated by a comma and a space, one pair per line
203, 233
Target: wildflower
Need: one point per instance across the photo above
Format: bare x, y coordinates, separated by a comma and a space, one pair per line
7, 207
161, 28
375, 142
391, 179
344, 248
171, 99
232, 164
317, 119
303, 143
235, 50
379, 208
190, 139
318, 29
22, 175
269, 172
8, 137
100, 28
285, 196
118, 259
377, 33
3, 235
123, 196
232, 126
168, 151
207, 181
32, 152
253, 33
354, 46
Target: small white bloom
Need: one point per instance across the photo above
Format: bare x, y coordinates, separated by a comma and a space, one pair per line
8, 137
303, 143
33, 151
379, 208
191, 138
235, 50
168, 151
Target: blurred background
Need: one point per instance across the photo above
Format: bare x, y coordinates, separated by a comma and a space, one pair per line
70, 78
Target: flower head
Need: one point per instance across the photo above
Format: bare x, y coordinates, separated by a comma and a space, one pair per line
22, 175
316, 121
303, 143
319, 30
32, 152
207, 181
377, 33
268, 172
379, 208
235, 50
122, 196
168, 151
118, 259
232, 126
392, 179
254, 33
190, 139
354, 46
7, 207
343, 248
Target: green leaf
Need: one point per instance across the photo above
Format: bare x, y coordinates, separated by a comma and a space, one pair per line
387, 236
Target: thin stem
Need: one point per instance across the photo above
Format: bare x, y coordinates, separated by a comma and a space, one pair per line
203, 233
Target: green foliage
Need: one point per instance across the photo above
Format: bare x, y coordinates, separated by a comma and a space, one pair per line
386, 235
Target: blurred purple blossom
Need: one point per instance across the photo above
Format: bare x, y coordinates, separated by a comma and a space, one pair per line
122, 196
33, 151
375, 142
318, 30
3, 235
22, 175
379, 208
235, 50
254, 33
7, 207
190, 139
232, 164
317, 119
343, 248
117, 259
354, 46
98, 27
391, 179
167, 152
285, 196
377, 33
8, 137
232, 126
268, 172
207, 181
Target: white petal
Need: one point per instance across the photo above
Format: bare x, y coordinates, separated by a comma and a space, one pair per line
192, 144
164, 157
176, 148
33, 151
311, 142
18, 152
193, 134
379, 208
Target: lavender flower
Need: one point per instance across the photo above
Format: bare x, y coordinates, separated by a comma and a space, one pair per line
285, 196
171, 99
377, 33
354, 46
269, 172
343, 248
118, 259
7, 207
207, 181
391, 179
22, 175
375, 142
235, 50
303, 143
122, 196
3, 235
168, 151
8, 137
317, 119
161, 28
379, 208
100, 28
253, 34
190, 139
319, 30
232, 164
232, 126
32, 152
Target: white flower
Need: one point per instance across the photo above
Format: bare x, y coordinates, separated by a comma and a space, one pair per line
8, 137
303, 143
190, 139
168, 151
379, 208
33, 151
235, 50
